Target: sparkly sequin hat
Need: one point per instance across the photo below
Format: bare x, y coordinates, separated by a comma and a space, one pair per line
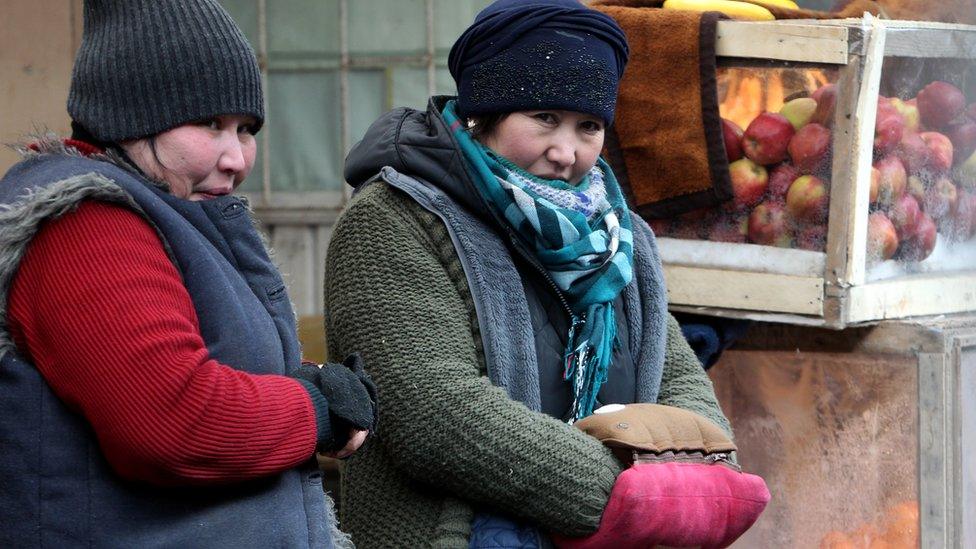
539, 54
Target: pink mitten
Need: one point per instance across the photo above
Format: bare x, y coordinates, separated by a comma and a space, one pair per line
677, 505
681, 490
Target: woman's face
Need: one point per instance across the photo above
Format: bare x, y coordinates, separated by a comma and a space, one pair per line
551, 144
200, 160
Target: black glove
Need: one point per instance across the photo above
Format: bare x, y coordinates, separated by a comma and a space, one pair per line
350, 393
356, 363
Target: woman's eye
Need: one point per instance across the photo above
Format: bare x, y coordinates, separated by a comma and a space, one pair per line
211, 123
546, 117
246, 129
591, 126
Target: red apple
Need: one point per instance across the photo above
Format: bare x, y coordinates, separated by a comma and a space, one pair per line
780, 179
965, 173
959, 225
940, 199
939, 103
962, 134
888, 127
661, 227
971, 111
729, 228
686, 229
919, 245
807, 199
697, 216
970, 208
799, 111
732, 135
904, 214
826, 98
916, 188
693, 224
908, 111
940, 151
875, 184
893, 179
812, 237
809, 147
749, 182
913, 152
882, 238
769, 225
766, 138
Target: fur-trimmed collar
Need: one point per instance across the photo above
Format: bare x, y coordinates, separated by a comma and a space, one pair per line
55, 145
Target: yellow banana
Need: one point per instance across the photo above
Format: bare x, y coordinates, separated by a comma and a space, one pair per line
732, 8
787, 4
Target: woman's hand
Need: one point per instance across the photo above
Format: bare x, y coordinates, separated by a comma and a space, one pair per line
351, 399
356, 439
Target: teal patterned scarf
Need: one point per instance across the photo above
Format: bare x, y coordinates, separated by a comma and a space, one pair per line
581, 235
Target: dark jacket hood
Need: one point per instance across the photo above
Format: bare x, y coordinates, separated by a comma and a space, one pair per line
418, 144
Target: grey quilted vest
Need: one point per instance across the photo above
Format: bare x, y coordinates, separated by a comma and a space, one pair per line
57, 488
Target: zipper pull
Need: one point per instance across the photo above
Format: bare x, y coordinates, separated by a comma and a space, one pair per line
723, 459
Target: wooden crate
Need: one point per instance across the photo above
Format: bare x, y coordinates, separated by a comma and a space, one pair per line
868, 431
836, 287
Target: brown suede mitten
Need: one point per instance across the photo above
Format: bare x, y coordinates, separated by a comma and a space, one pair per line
655, 428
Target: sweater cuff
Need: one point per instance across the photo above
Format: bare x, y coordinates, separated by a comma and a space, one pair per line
323, 424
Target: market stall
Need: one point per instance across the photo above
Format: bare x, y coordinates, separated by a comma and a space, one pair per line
865, 436
844, 223
867, 212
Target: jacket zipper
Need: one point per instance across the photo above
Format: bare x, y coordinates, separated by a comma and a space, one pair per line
574, 320
720, 458
545, 275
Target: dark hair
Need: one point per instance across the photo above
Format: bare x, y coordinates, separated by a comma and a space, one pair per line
482, 126
151, 141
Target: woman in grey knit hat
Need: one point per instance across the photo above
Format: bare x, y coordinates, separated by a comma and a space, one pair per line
153, 388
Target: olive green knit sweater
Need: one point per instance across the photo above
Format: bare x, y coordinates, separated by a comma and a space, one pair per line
446, 438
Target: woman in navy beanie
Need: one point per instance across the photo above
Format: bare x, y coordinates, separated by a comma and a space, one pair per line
500, 289
153, 392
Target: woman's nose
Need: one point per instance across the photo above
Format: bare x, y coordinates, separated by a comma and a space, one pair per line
562, 153
232, 157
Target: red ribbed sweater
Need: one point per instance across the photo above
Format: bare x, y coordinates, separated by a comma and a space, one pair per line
103, 314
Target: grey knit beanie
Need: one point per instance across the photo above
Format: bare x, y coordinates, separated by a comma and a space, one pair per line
145, 66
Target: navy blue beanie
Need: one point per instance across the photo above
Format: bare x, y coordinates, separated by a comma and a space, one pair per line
539, 54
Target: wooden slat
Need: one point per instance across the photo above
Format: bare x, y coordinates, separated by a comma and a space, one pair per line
741, 257
744, 290
955, 41
293, 254
279, 216
902, 337
965, 432
915, 296
322, 235
782, 41
299, 199
851, 175
779, 318
935, 450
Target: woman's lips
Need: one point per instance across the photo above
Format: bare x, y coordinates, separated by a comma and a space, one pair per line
553, 177
211, 194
